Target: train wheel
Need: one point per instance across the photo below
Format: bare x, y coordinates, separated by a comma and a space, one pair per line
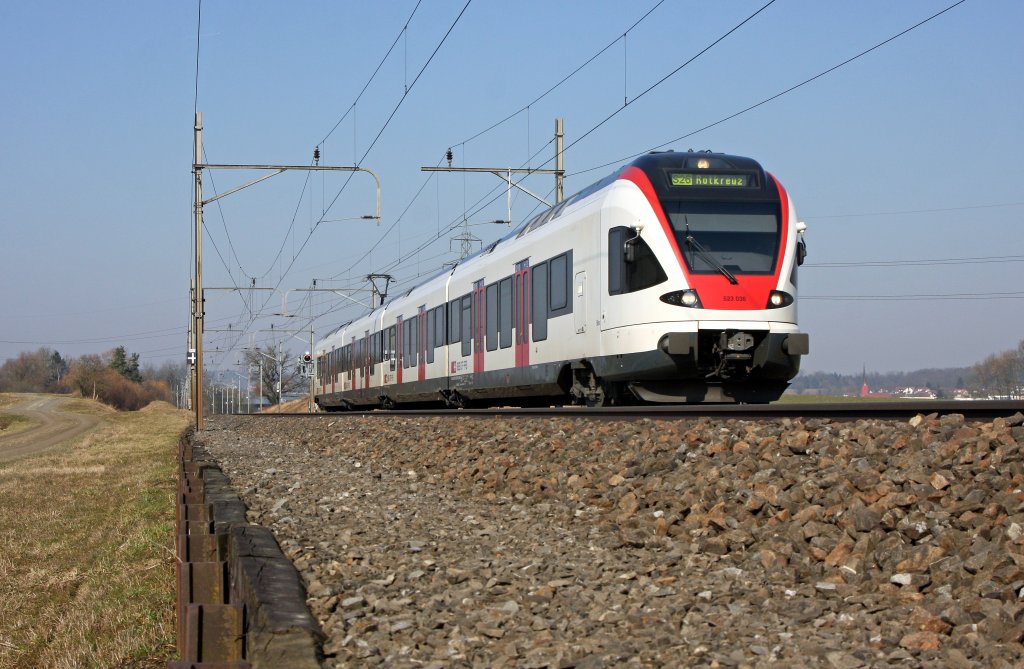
455, 401
597, 398
587, 389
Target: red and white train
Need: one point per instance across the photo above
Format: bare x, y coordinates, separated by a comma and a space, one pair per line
672, 280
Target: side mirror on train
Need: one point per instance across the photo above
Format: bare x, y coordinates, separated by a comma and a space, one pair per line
801, 245
629, 248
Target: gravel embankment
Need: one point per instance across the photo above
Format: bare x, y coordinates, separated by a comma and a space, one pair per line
568, 543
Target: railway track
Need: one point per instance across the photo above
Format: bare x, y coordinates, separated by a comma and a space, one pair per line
974, 410
553, 541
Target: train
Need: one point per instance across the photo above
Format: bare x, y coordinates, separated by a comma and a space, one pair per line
671, 280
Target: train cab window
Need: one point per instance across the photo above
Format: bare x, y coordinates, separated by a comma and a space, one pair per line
539, 308
505, 311
632, 265
467, 325
741, 237
454, 321
492, 317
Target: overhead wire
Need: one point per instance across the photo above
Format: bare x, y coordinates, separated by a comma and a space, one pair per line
373, 76
768, 99
918, 297
917, 211
564, 79
982, 260
526, 107
665, 78
649, 89
289, 232
370, 147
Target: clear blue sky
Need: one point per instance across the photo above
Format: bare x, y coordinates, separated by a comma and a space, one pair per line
911, 153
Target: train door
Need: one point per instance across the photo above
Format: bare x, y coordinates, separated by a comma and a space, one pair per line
579, 307
331, 371
479, 325
421, 341
389, 356
521, 315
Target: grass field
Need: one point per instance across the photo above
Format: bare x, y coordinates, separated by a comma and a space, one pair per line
11, 422
6, 399
87, 566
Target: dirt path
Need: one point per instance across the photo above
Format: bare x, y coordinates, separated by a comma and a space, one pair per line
52, 426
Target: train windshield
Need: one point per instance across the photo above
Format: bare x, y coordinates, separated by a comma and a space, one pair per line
742, 238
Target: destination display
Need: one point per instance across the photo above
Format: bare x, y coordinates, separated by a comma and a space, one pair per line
710, 180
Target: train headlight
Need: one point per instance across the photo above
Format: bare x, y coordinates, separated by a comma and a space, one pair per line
778, 299
683, 298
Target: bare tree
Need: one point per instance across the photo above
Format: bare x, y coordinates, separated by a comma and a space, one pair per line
1001, 374
272, 362
38, 372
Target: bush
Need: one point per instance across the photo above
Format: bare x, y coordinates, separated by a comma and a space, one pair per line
91, 377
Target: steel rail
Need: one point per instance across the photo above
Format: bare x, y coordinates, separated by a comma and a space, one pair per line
902, 409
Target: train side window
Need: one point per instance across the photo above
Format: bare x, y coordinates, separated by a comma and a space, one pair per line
559, 294
559, 283
505, 311
406, 343
455, 321
467, 325
539, 308
632, 265
414, 347
617, 260
430, 335
439, 326
492, 317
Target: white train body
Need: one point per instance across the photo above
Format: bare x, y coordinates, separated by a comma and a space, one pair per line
672, 280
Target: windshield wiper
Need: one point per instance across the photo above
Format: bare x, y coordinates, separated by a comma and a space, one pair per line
706, 255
